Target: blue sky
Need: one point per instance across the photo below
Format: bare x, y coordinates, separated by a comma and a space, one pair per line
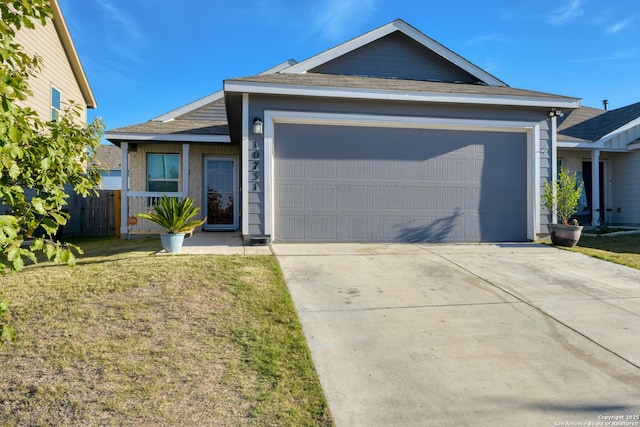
144, 58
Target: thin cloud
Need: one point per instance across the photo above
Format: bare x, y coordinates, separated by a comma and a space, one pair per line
335, 19
567, 12
618, 27
489, 38
128, 37
615, 56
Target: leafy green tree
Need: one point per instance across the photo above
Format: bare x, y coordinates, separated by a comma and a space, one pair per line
562, 196
38, 157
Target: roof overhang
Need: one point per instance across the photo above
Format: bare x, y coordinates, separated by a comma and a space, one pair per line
72, 55
117, 137
393, 95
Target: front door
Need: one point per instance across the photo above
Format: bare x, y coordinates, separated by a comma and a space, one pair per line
221, 193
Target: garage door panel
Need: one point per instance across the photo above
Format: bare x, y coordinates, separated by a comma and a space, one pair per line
364, 184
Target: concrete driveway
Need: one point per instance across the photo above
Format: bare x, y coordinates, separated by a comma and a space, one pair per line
468, 335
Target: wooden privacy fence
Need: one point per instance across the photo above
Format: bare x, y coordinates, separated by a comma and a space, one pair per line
94, 216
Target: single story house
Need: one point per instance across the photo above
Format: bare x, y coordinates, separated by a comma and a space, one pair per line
603, 147
387, 137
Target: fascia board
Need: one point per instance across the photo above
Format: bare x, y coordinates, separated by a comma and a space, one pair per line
618, 131
72, 55
150, 137
589, 146
397, 25
390, 95
185, 109
171, 115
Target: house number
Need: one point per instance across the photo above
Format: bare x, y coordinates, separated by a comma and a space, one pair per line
254, 174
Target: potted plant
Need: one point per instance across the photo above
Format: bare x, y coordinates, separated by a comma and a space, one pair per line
561, 197
176, 218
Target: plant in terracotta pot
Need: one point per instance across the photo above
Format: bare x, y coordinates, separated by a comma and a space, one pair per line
562, 197
175, 216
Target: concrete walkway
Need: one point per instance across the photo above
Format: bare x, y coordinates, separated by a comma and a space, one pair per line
219, 243
468, 335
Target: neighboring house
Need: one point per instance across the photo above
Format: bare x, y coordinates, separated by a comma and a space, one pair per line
109, 158
62, 78
609, 139
388, 137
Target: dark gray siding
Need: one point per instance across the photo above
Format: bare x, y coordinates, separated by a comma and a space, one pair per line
344, 184
396, 56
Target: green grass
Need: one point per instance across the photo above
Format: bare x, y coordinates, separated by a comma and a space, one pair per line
624, 249
130, 338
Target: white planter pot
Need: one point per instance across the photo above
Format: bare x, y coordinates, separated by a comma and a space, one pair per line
172, 242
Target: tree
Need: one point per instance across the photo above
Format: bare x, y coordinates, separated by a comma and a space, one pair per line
37, 157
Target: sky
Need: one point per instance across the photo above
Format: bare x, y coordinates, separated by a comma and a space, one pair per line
144, 58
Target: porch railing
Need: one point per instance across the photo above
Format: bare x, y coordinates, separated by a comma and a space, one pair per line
142, 202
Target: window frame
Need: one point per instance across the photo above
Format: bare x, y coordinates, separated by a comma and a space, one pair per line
165, 179
55, 110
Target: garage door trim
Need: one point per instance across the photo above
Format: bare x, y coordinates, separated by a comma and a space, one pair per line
532, 129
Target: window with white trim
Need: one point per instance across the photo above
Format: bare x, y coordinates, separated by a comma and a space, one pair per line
163, 172
56, 102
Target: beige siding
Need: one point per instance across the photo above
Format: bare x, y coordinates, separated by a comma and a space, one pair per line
56, 71
197, 152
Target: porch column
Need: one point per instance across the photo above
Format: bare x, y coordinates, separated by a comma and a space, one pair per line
124, 205
595, 188
185, 170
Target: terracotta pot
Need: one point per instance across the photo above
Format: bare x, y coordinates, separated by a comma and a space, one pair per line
565, 235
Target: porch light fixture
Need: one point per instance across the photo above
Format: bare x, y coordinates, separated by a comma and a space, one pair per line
257, 126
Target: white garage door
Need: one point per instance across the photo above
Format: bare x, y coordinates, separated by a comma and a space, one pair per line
356, 184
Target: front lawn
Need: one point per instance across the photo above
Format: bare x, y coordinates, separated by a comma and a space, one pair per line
127, 337
624, 249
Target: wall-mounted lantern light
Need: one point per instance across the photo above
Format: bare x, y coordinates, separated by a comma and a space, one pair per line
257, 126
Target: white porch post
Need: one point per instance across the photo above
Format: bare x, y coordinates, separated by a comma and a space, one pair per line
553, 152
595, 188
185, 170
245, 165
124, 203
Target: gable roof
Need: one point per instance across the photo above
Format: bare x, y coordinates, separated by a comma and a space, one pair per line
396, 26
342, 86
72, 54
594, 125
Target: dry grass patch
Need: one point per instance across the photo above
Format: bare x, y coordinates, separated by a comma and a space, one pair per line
129, 338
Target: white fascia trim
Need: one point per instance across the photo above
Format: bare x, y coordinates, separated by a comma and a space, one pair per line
397, 25
393, 95
152, 137
634, 146
590, 146
618, 131
244, 184
532, 129
171, 115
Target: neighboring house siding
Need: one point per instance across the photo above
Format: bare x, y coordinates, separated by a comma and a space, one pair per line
625, 174
396, 56
56, 71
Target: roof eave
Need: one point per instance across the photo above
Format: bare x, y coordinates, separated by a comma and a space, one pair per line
394, 95
72, 55
117, 137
